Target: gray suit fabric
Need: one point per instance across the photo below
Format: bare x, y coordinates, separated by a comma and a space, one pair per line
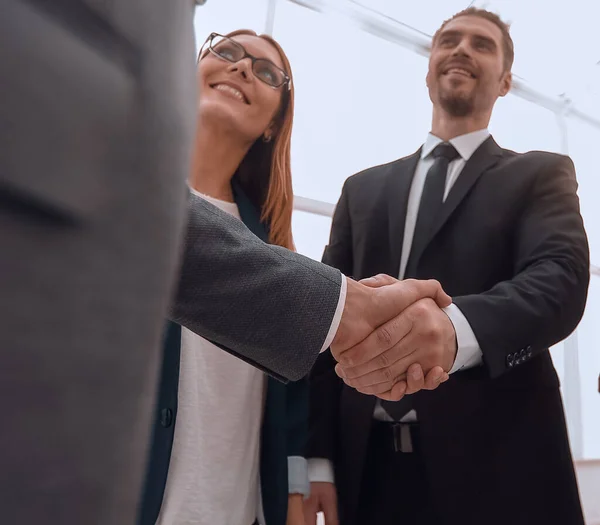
269, 306
96, 123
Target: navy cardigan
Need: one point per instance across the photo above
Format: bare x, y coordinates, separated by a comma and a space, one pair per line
284, 428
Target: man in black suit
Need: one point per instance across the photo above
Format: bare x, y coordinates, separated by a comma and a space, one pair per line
503, 234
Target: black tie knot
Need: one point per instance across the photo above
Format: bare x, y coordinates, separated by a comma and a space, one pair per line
446, 150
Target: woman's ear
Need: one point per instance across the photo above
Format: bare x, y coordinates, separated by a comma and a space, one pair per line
269, 132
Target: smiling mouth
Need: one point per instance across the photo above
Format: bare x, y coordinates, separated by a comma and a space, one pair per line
459, 71
230, 91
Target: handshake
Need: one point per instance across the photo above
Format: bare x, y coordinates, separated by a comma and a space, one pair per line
394, 338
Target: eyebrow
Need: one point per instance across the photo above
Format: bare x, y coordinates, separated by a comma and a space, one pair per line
254, 56
480, 37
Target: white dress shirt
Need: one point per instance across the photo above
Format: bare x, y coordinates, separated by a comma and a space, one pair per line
468, 352
335, 324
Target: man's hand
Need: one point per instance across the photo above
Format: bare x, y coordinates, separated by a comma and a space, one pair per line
421, 334
368, 308
323, 498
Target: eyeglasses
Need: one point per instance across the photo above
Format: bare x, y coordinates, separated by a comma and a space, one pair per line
227, 49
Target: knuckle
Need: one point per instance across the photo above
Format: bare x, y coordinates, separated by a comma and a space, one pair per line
435, 283
430, 331
383, 361
384, 336
387, 374
420, 310
367, 390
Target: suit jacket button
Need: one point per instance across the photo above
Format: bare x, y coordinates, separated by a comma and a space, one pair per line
166, 417
510, 360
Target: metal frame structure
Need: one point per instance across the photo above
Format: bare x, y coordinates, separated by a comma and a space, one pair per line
418, 42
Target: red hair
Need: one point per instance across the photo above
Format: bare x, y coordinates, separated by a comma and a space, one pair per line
265, 173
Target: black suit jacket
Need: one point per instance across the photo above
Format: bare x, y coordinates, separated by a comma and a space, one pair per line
510, 247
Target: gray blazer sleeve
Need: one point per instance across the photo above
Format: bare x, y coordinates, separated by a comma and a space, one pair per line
264, 304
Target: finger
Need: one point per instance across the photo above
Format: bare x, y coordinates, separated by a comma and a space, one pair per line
330, 514
397, 392
434, 378
399, 298
430, 288
395, 365
383, 338
442, 299
415, 378
372, 389
310, 511
379, 280
375, 384
403, 351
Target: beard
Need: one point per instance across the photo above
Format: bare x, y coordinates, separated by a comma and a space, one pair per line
457, 103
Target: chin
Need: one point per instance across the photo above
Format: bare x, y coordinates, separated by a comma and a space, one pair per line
457, 105
219, 111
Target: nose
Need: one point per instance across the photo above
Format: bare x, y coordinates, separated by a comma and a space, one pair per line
462, 48
243, 68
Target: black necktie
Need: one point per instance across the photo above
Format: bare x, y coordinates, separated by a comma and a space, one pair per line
432, 199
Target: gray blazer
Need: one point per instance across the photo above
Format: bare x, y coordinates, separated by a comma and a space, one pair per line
95, 135
262, 303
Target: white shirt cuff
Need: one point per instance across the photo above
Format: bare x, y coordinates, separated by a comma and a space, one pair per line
320, 470
468, 353
338, 315
298, 476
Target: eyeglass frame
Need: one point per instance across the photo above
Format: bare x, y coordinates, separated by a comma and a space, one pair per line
286, 78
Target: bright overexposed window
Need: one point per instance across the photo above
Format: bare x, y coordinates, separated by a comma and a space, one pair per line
311, 233
360, 101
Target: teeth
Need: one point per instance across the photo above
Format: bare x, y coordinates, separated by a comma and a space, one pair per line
231, 90
460, 71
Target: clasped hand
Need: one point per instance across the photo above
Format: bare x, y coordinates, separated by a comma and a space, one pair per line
394, 338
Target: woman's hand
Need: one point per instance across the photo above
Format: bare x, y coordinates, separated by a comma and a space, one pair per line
295, 513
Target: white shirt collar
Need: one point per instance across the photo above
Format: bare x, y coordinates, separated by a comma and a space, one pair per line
466, 144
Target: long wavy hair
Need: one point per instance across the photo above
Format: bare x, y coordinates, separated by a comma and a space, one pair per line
265, 173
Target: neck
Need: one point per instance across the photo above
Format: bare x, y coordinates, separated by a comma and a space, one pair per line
447, 127
216, 157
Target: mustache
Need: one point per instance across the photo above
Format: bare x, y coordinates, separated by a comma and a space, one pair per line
464, 63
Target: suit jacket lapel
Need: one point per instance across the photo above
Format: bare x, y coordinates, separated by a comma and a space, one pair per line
486, 156
397, 192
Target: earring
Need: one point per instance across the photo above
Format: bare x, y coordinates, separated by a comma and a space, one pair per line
267, 138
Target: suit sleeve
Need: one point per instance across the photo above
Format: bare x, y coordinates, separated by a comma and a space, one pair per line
544, 301
296, 429
325, 385
250, 298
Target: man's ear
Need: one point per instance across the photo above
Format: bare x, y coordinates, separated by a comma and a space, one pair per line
506, 83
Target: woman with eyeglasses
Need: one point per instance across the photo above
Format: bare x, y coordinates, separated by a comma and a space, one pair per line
228, 441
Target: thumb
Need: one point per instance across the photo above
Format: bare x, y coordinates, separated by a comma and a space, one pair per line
378, 280
395, 298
